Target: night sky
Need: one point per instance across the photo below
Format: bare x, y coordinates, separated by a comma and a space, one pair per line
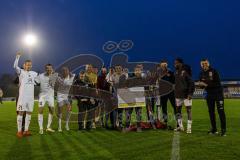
159, 29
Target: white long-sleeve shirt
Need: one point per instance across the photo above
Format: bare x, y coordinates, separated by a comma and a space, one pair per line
26, 80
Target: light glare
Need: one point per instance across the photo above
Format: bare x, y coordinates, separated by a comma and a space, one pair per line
30, 39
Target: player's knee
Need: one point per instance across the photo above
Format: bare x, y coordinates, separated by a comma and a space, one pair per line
40, 110
20, 113
51, 110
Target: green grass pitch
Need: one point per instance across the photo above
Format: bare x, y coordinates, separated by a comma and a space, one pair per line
104, 144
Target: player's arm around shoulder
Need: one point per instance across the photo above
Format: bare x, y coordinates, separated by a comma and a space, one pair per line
72, 77
35, 77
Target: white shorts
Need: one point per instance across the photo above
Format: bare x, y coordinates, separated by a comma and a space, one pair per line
25, 104
181, 101
62, 99
63, 102
43, 99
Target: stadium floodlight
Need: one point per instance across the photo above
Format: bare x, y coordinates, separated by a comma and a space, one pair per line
30, 40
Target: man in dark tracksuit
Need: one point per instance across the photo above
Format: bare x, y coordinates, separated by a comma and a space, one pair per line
184, 88
84, 105
210, 80
167, 75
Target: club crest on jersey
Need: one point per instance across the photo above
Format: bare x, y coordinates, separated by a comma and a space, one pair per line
30, 80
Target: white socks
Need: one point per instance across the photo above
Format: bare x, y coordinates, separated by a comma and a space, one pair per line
60, 122
27, 121
189, 125
19, 122
68, 116
67, 119
50, 118
40, 121
180, 123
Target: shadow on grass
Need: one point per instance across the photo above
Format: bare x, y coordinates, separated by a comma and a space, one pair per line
21, 149
56, 138
76, 145
93, 147
45, 148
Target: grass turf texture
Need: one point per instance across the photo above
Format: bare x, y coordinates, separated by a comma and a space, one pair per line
105, 144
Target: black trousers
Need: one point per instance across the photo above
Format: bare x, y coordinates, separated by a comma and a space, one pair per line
220, 108
1, 100
164, 101
83, 115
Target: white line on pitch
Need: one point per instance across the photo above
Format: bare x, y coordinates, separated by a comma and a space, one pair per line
176, 146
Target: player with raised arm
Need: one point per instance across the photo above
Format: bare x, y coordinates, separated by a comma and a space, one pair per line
26, 94
46, 96
65, 81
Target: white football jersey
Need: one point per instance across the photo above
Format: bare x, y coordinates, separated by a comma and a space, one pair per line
64, 87
45, 87
26, 88
26, 81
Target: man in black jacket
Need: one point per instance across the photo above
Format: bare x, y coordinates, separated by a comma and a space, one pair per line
84, 105
210, 81
184, 88
167, 75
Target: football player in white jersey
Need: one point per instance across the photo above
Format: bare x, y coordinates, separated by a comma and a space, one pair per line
26, 94
46, 96
65, 81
